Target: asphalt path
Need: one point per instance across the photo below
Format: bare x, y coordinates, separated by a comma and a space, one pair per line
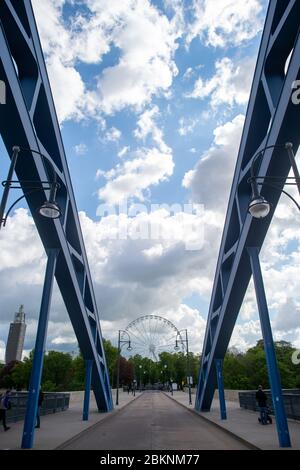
154, 422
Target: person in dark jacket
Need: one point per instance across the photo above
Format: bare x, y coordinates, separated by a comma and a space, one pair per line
261, 399
5, 405
40, 402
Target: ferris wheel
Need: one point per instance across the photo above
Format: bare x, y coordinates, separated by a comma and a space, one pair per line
151, 335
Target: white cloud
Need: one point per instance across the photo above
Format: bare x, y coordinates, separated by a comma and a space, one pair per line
2, 351
146, 276
245, 335
64, 340
68, 89
210, 180
22, 247
187, 126
99, 174
188, 73
113, 135
80, 149
145, 37
123, 151
230, 85
147, 166
222, 23
288, 315
146, 126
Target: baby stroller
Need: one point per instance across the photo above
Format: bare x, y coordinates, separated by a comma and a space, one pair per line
268, 416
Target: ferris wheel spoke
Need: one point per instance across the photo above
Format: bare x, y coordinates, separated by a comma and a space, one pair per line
169, 339
140, 333
138, 339
156, 324
146, 332
143, 331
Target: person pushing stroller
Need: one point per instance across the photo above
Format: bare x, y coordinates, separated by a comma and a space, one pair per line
262, 399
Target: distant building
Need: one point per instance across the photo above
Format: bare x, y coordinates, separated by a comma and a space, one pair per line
16, 336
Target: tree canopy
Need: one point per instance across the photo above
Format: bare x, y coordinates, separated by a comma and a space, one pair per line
242, 370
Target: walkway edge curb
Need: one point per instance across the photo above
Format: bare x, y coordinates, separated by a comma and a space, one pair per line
110, 414
232, 434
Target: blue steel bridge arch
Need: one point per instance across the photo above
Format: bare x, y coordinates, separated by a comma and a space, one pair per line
271, 119
28, 119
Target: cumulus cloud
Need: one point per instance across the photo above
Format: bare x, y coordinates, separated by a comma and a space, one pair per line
229, 86
131, 276
187, 126
80, 149
288, 314
123, 151
246, 335
144, 37
223, 23
147, 166
2, 351
209, 182
136, 276
113, 135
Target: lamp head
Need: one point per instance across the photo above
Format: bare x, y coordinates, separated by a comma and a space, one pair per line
259, 207
50, 210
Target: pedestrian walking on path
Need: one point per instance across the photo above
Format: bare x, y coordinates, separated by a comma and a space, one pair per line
5, 404
40, 402
261, 399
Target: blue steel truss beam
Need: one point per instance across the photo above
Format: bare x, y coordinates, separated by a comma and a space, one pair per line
271, 119
28, 119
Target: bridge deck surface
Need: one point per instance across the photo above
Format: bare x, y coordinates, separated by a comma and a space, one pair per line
154, 422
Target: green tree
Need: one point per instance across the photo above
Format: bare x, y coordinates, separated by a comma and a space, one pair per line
57, 371
111, 354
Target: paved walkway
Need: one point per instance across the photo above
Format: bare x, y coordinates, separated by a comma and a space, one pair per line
60, 427
244, 423
154, 422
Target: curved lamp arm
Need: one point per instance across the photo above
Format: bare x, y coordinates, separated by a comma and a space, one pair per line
252, 172
123, 341
284, 192
55, 185
262, 152
4, 220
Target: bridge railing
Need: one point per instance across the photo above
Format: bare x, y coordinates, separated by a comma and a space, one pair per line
291, 400
53, 402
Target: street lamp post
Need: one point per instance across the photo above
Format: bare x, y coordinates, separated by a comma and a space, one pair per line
49, 209
165, 373
129, 348
171, 386
140, 375
259, 207
186, 341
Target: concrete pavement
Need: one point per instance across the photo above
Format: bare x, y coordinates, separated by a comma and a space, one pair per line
60, 427
244, 424
154, 422
150, 423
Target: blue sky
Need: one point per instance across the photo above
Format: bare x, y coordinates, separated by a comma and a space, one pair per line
151, 98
